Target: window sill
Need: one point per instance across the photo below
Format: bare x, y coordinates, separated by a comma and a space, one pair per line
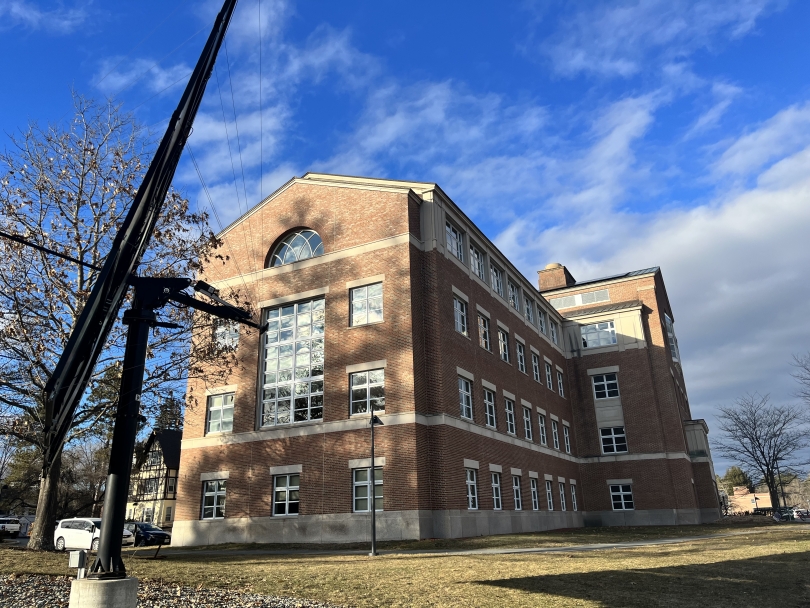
467, 335
211, 518
288, 515
287, 425
362, 415
366, 325
218, 433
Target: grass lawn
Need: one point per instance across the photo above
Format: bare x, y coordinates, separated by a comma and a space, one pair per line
770, 566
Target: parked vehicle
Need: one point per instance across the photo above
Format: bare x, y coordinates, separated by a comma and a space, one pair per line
83, 533
148, 534
9, 526
801, 514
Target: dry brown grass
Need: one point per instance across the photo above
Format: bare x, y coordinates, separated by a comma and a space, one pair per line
768, 568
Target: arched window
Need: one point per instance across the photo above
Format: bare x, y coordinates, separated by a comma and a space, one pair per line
297, 246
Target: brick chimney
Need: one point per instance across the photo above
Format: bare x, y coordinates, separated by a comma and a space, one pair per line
554, 275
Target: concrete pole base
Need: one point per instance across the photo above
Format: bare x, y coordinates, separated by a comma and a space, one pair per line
101, 593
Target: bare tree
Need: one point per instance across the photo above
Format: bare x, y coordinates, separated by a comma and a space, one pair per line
802, 375
763, 437
68, 188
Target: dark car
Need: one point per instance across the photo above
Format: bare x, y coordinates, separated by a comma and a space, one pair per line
147, 534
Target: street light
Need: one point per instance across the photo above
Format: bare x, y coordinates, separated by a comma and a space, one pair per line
374, 421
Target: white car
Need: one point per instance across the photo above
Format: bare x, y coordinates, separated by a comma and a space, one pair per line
83, 533
801, 514
9, 526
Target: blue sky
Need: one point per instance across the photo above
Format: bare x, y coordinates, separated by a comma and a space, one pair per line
605, 136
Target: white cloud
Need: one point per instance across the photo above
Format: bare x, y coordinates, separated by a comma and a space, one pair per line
724, 94
27, 14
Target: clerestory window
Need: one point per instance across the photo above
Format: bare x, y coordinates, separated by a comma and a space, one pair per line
297, 246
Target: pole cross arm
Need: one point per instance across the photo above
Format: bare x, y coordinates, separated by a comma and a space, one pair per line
223, 311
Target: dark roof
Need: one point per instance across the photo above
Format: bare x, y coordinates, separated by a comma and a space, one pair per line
624, 275
169, 441
599, 309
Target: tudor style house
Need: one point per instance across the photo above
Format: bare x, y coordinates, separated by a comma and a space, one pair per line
153, 488
506, 407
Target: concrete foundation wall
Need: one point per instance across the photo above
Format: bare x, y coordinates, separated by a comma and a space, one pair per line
651, 517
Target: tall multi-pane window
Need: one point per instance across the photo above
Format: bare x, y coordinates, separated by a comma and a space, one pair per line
605, 386
367, 391
553, 325
214, 499
598, 334
528, 309
516, 492
455, 241
549, 496
514, 295
613, 440
562, 496
362, 483
573, 497
367, 304
527, 423
622, 497
567, 439
496, 491
549, 381
465, 397
285, 494
503, 345
497, 279
541, 421
509, 408
478, 263
472, 489
555, 435
489, 408
671, 339
560, 384
536, 367
521, 356
460, 315
541, 320
535, 495
220, 413
292, 388
483, 332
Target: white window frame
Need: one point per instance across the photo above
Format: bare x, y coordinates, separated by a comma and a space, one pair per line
517, 494
555, 434
541, 421
549, 377
536, 368
497, 503
553, 325
489, 408
503, 344
541, 320
573, 497
528, 309
372, 384
217, 490
509, 408
562, 496
362, 302
674, 351
527, 423
612, 434
367, 483
560, 384
535, 494
619, 494
222, 404
567, 439
287, 503
465, 398
549, 495
167, 515
605, 386
598, 334
472, 489
478, 262
484, 340
496, 279
455, 241
460, 315
521, 356
514, 294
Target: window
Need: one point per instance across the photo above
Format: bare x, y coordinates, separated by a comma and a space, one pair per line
297, 246
460, 315
541, 320
527, 423
293, 363
536, 367
541, 421
214, 499
483, 332
226, 333
363, 482
496, 491
170, 485
549, 382
613, 440
472, 489
535, 495
147, 515
497, 279
510, 417
168, 515
671, 339
605, 386
220, 413
553, 326
560, 386
465, 397
489, 406
367, 304
477, 262
154, 458
581, 299
503, 345
573, 497
598, 334
516, 491
562, 496
367, 391
514, 295
549, 496
555, 435
455, 241
521, 356
622, 497
528, 309
285, 495
150, 486
567, 439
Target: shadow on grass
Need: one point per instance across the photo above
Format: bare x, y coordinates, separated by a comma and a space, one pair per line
775, 580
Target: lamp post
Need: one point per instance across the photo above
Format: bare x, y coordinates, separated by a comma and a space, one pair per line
373, 486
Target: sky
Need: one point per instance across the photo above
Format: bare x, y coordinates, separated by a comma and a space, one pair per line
607, 136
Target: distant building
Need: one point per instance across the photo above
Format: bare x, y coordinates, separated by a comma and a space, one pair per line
153, 488
506, 408
745, 501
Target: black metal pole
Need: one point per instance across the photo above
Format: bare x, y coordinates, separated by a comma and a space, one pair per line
108, 563
373, 490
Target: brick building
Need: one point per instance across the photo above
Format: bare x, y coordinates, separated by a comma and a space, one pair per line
505, 408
